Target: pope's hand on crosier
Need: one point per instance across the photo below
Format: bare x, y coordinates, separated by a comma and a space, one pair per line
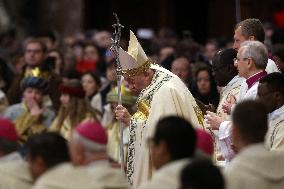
122, 114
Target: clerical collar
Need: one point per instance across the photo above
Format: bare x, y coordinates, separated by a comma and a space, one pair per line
254, 78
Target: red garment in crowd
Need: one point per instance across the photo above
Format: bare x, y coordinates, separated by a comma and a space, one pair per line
204, 142
279, 19
83, 66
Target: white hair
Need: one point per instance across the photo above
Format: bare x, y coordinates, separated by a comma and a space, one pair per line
256, 51
89, 146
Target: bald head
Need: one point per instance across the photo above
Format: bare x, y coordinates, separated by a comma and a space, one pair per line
181, 67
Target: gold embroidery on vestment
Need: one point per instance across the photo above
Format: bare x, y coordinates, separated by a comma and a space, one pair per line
143, 108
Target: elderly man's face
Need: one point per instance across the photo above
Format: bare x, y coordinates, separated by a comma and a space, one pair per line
137, 82
241, 64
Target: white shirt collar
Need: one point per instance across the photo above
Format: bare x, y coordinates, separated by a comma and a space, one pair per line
233, 82
235, 79
11, 156
276, 113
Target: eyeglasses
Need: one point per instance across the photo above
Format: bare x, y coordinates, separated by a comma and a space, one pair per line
236, 60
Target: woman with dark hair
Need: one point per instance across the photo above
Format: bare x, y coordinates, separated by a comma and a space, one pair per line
91, 84
90, 61
205, 89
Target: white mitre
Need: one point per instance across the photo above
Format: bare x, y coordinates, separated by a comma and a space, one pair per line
135, 58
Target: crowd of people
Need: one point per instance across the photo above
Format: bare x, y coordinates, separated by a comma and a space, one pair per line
191, 116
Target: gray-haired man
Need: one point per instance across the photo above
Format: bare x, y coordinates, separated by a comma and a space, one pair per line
251, 62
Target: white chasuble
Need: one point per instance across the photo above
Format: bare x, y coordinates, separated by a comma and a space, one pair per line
166, 95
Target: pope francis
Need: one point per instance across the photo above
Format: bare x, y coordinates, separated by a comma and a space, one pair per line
160, 93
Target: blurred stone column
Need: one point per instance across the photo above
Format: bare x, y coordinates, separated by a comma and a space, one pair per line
4, 18
64, 16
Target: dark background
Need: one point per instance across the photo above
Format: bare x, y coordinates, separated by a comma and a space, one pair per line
204, 18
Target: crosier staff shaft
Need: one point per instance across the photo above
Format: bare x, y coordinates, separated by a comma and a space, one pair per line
115, 48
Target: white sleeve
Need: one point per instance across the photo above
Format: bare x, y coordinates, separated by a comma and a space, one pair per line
271, 67
225, 140
2, 94
96, 102
224, 130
